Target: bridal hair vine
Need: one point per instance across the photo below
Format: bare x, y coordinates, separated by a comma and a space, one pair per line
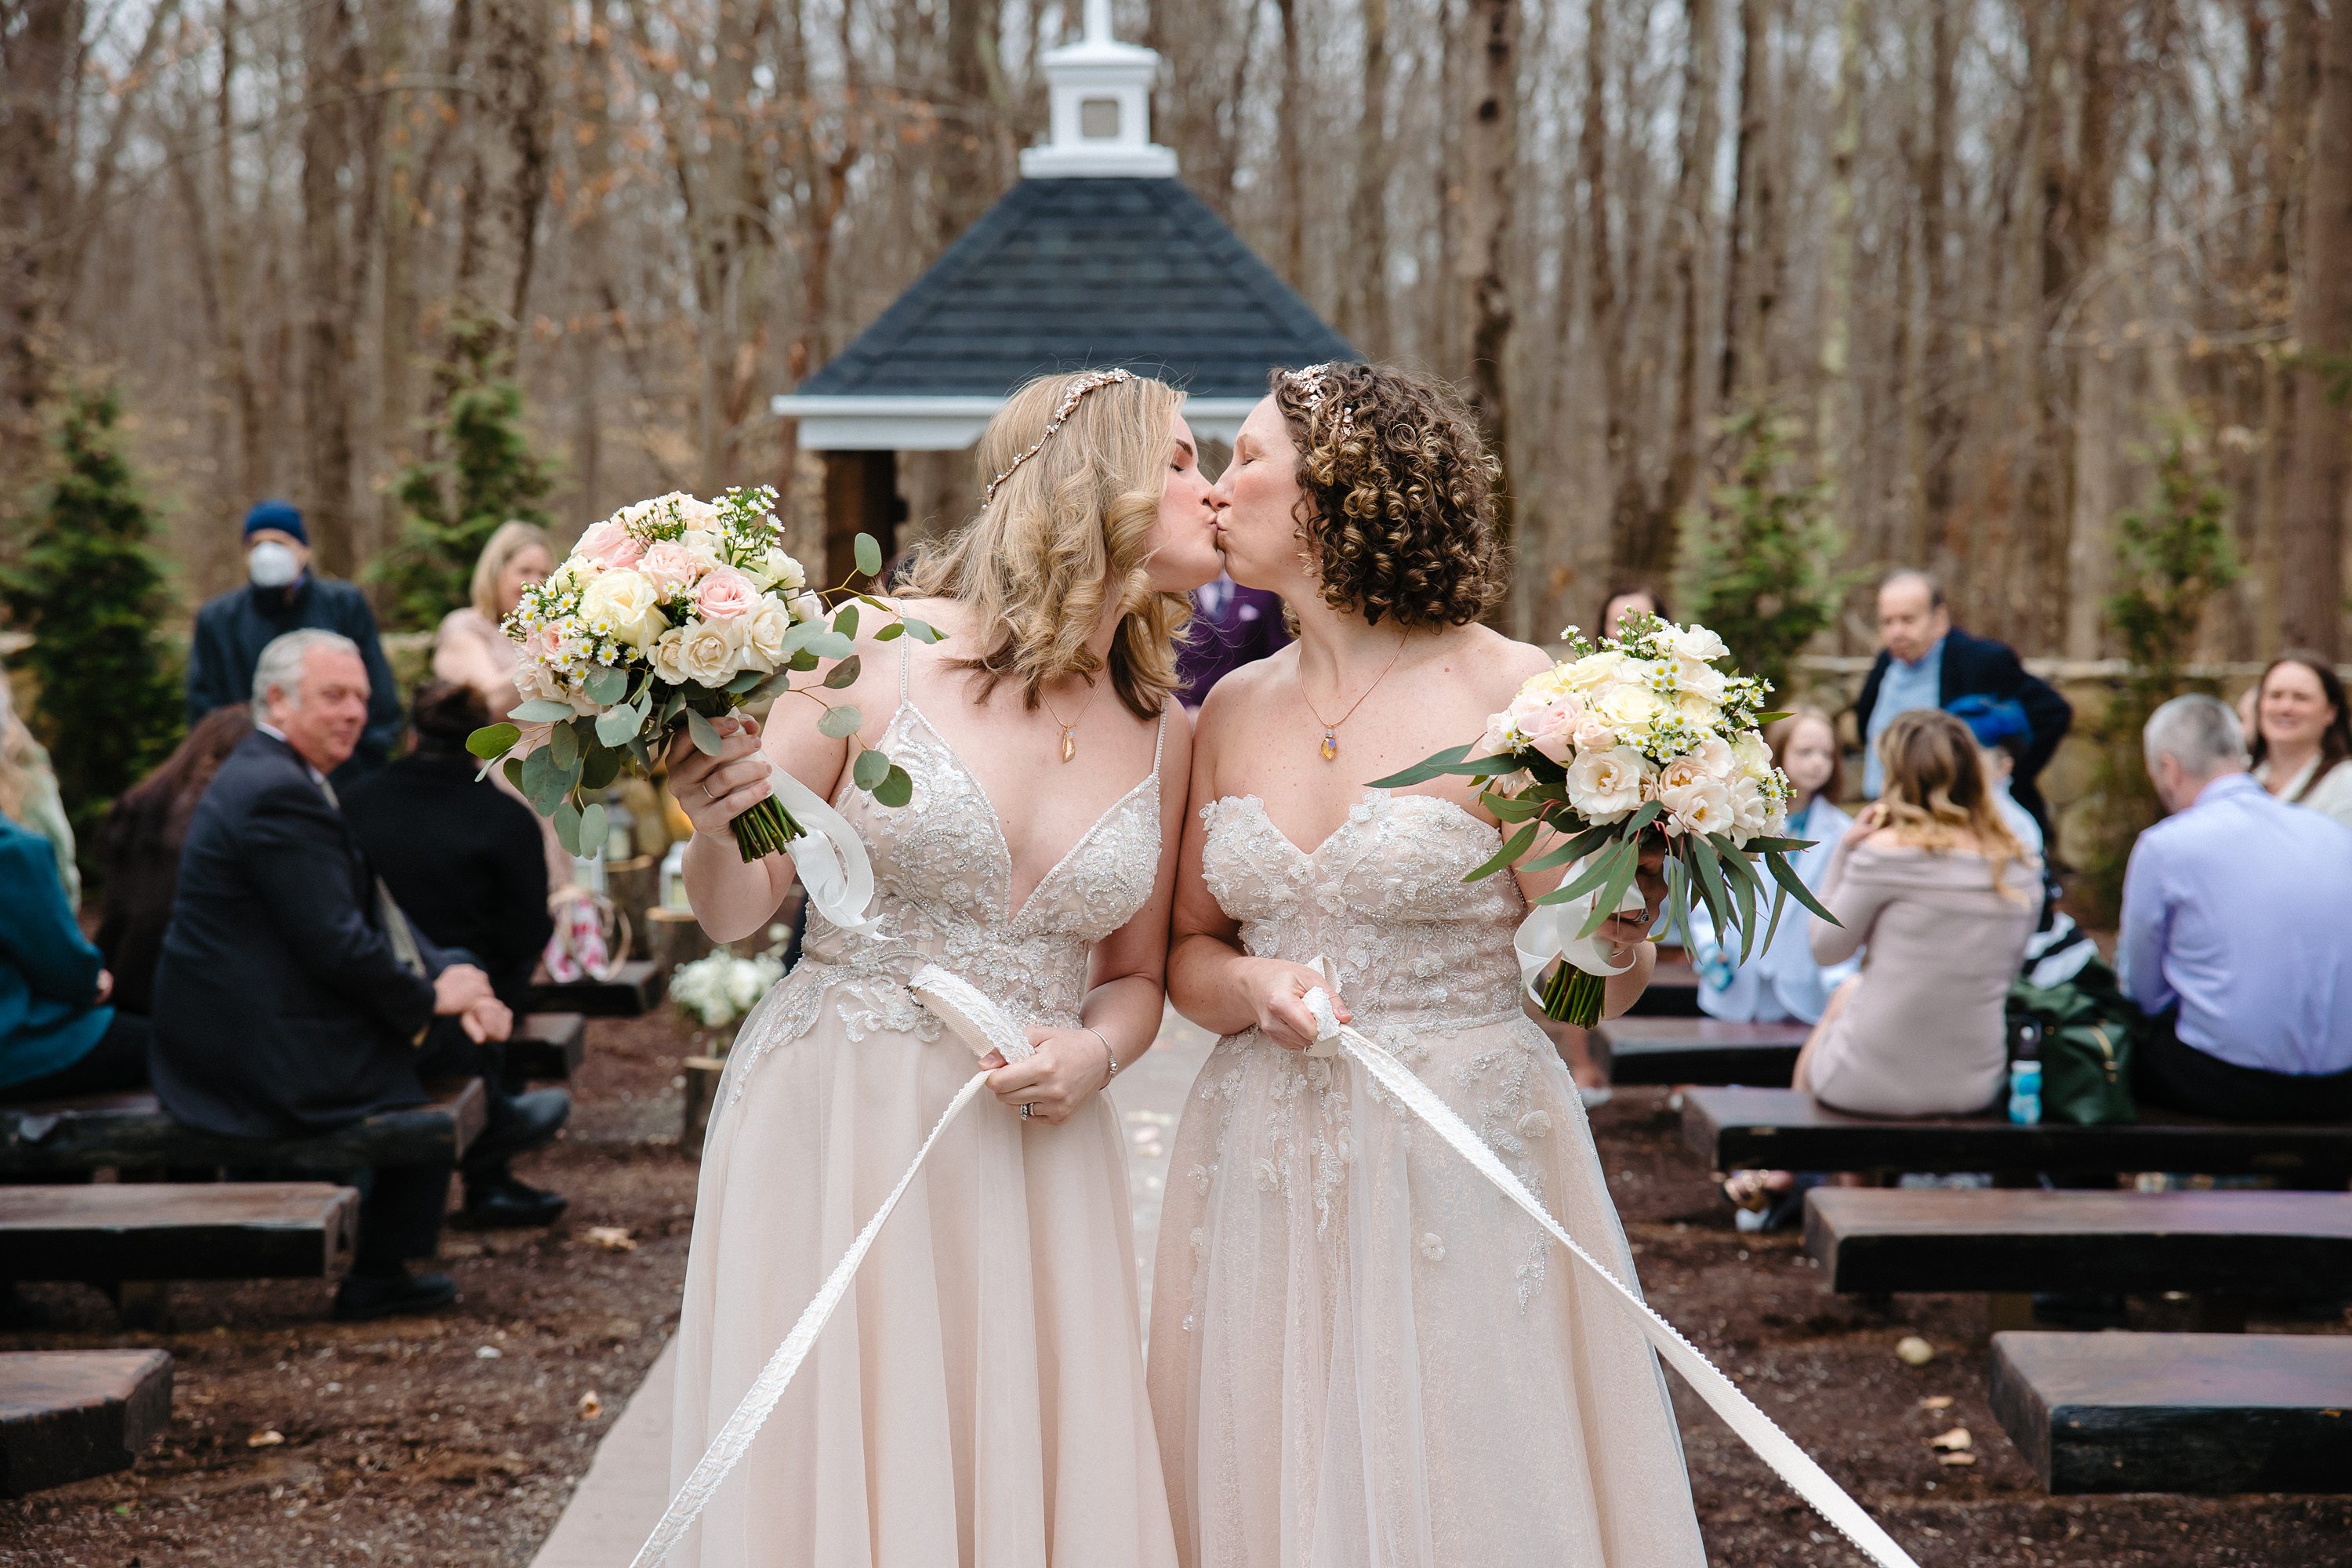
1313, 384
1061, 411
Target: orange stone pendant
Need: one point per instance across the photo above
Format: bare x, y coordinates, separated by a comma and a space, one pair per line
1069, 744
1330, 745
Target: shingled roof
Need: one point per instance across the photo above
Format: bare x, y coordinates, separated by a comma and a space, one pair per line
1068, 273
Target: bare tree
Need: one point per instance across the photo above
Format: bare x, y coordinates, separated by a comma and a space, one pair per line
2311, 524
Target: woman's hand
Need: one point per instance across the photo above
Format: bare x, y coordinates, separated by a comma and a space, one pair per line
1066, 1069
714, 791
1276, 993
1627, 929
1867, 821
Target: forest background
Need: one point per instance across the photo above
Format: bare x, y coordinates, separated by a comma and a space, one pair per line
1985, 266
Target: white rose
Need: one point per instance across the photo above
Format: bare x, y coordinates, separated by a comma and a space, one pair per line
706, 656
1699, 680
1680, 773
807, 607
1605, 785
1702, 807
1499, 740
1751, 810
763, 635
1629, 707
667, 655
1752, 756
1716, 759
620, 599
783, 570
1592, 672
1696, 642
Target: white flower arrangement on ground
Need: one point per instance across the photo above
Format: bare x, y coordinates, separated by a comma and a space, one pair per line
721, 988
668, 615
1636, 740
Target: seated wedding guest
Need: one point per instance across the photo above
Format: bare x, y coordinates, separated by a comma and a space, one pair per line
292, 993
1231, 626
1628, 599
58, 1035
2233, 939
28, 793
139, 848
462, 859
1934, 884
2002, 734
2303, 735
1781, 984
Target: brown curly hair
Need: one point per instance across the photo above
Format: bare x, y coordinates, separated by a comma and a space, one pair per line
1397, 505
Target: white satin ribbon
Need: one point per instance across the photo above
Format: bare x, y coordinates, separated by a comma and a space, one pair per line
828, 854
982, 1027
1549, 932
1756, 1429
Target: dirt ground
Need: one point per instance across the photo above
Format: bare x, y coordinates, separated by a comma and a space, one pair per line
455, 1439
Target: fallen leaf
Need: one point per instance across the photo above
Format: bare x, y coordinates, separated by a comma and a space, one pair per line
268, 1438
1955, 1458
488, 1353
1937, 1402
1957, 1440
591, 1406
1913, 1351
612, 1238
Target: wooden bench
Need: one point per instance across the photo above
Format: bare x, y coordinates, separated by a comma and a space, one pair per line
2218, 1246
1747, 1129
1672, 993
1633, 1050
67, 1416
547, 1046
221, 1230
635, 990
132, 1132
2179, 1413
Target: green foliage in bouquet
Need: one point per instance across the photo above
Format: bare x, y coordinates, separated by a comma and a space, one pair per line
1755, 565
489, 476
91, 590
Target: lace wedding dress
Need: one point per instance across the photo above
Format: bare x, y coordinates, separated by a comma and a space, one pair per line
1363, 1356
978, 1399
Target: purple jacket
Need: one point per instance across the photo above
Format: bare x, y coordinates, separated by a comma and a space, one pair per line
1232, 626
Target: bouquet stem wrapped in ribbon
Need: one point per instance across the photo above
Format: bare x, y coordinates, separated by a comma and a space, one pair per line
668, 614
1637, 744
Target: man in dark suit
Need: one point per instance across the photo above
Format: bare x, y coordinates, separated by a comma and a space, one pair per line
1927, 662
292, 997
1232, 626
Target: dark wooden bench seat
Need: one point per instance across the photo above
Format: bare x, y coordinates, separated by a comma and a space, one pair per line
1746, 1128
1633, 1050
547, 1046
221, 1230
635, 990
67, 1416
132, 1132
2179, 1413
1672, 993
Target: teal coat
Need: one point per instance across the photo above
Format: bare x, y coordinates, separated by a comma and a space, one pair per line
49, 1016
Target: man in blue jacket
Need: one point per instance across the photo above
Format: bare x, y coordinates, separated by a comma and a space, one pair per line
282, 595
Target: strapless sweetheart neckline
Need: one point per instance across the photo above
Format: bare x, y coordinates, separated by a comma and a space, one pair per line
1371, 800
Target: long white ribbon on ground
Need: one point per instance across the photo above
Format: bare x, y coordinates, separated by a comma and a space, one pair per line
983, 1027
829, 856
1756, 1429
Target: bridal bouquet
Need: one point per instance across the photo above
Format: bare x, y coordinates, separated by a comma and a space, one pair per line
665, 616
1638, 741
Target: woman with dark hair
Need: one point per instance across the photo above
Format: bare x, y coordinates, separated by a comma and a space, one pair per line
139, 847
2303, 735
1357, 1357
1633, 596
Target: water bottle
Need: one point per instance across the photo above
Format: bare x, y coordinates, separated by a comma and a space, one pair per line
2025, 1075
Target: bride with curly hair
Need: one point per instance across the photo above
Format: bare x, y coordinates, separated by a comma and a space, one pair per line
1363, 1356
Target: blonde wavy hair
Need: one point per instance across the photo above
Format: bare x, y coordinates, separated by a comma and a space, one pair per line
21, 756
1067, 536
512, 538
1936, 794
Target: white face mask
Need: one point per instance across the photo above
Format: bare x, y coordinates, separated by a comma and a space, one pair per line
272, 564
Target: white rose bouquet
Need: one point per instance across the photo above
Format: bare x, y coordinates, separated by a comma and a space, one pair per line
720, 988
665, 616
1637, 741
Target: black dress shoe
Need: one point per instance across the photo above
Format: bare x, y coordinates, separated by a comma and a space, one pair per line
505, 1204
521, 1123
361, 1299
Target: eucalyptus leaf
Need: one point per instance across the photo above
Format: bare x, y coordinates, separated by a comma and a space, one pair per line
566, 820
769, 689
599, 768
844, 675
1604, 866
564, 745
1573, 850
868, 551
872, 768
1708, 871
1623, 861
841, 720
890, 633
831, 645
896, 789
541, 711
493, 741
745, 682
1426, 769
512, 767
1785, 875
591, 830
606, 685
616, 725
803, 661
706, 739
921, 631
1511, 850
801, 634
538, 770
844, 620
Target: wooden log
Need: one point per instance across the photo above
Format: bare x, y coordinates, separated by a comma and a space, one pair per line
220, 1230
133, 1131
548, 1046
2209, 1414
1744, 1129
674, 936
635, 991
67, 1416
1658, 1051
1883, 1240
1673, 992
635, 887
702, 1075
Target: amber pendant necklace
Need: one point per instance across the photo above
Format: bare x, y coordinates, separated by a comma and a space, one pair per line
1070, 730
1332, 726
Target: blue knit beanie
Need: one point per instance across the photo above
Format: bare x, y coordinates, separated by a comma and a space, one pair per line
278, 514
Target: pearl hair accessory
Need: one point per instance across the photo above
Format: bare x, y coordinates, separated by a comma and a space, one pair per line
1310, 382
1079, 389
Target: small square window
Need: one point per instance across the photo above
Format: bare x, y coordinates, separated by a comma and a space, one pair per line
1098, 119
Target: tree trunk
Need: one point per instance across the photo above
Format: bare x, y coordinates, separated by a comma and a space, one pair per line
1688, 224
1835, 418
1491, 157
1938, 390
2311, 524
330, 77
1364, 284
1289, 150
37, 43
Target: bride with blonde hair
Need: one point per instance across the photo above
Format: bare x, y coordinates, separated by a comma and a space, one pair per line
978, 1397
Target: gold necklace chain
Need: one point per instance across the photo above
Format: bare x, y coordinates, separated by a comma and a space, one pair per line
1070, 730
1330, 729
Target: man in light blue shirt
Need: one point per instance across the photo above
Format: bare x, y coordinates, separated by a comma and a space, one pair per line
1914, 623
2237, 934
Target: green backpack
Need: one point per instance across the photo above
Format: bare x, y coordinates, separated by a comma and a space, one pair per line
2087, 1030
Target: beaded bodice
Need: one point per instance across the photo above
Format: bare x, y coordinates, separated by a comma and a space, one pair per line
943, 893
1383, 897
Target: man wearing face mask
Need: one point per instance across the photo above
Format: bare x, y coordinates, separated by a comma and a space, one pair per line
282, 595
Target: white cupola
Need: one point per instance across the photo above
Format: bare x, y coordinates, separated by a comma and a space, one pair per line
1100, 93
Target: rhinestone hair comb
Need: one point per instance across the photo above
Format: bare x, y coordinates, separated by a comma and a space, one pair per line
1311, 382
1062, 412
